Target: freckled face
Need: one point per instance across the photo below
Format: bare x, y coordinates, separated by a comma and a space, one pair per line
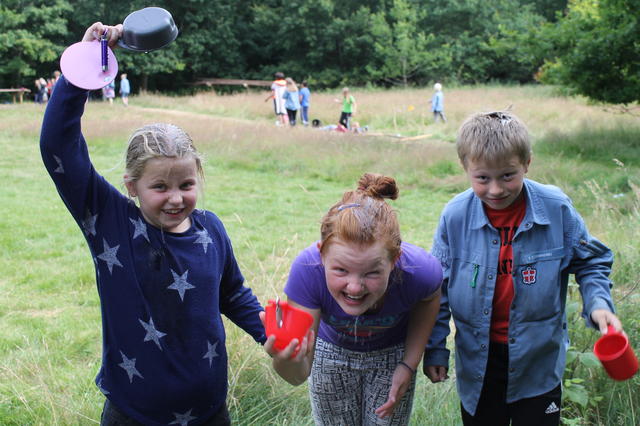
167, 192
357, 276
497, 186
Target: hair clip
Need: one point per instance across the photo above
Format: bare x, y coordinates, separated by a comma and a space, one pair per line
347, 206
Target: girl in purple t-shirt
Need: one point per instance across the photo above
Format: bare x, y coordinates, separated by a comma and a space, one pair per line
374, 300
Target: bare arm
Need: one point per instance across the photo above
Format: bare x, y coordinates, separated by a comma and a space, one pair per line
421, 321
295, 370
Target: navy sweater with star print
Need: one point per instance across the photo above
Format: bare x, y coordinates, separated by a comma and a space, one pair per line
162, 294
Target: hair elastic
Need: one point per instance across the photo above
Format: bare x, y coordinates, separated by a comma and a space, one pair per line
347, 206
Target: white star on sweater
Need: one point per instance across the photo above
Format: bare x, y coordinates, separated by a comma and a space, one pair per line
89, 223
59, 169
211, 352
152, 333
140, 228
129, 365
109, 255
183, 419
204, 239
180, 283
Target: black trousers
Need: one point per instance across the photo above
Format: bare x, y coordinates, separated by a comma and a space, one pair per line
345, 119
493, 410
112, 416
292, 113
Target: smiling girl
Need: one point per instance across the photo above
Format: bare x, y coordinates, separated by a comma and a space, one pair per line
374, 300
165, 270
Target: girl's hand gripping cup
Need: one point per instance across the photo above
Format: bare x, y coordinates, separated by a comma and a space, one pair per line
616, 355
286, 323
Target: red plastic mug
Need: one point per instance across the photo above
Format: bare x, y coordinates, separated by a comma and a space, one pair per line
286, 323
616, 355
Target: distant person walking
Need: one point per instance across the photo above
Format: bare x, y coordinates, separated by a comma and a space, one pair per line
348, 108
109, 92
437, 103
305, 96
278, 88
125, 88
291, 98
56, 77
41, 91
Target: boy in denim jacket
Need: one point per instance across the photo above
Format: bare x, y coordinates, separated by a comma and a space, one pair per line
507, 246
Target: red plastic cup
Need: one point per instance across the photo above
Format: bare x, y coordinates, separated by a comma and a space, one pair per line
290, 323
616, 355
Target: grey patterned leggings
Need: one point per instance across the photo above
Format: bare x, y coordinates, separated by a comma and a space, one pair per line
347, 386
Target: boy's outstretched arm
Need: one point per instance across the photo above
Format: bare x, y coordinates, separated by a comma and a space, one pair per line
591, 264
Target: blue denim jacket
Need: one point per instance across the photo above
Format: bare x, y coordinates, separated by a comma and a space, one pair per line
550, 243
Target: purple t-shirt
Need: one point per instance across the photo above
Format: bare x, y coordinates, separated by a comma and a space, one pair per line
416, 275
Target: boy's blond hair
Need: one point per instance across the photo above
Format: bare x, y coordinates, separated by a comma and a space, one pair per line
493, 137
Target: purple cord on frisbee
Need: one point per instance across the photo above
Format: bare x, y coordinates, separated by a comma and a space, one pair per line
105, 57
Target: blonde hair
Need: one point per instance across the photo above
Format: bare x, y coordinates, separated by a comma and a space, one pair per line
493, 137
291, 85
363, 216
156, 141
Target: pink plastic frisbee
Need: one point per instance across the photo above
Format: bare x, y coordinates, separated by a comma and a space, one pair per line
81, 64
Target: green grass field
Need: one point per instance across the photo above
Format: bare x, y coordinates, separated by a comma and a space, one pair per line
271, 186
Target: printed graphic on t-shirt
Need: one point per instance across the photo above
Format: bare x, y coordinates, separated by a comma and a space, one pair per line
506, 253
362, 327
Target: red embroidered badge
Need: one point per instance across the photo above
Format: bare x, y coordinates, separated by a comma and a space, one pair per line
529, 275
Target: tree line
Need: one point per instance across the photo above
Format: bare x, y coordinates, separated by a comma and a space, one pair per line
589, 46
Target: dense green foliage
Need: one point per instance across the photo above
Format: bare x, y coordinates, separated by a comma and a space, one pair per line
591, 46
598, 50
30, 35
328, 42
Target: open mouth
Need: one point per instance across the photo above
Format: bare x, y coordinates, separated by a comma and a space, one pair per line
173, 212
352, 299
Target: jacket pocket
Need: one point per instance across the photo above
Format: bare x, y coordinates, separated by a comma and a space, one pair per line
537, 283
466, 287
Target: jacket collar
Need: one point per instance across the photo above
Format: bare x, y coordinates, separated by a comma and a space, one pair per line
536, 210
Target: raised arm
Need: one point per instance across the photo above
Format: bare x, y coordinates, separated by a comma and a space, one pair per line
63, 148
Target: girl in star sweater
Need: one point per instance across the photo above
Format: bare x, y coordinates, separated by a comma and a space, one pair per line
165, 270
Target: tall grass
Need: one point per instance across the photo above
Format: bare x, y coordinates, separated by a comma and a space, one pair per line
271, 186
